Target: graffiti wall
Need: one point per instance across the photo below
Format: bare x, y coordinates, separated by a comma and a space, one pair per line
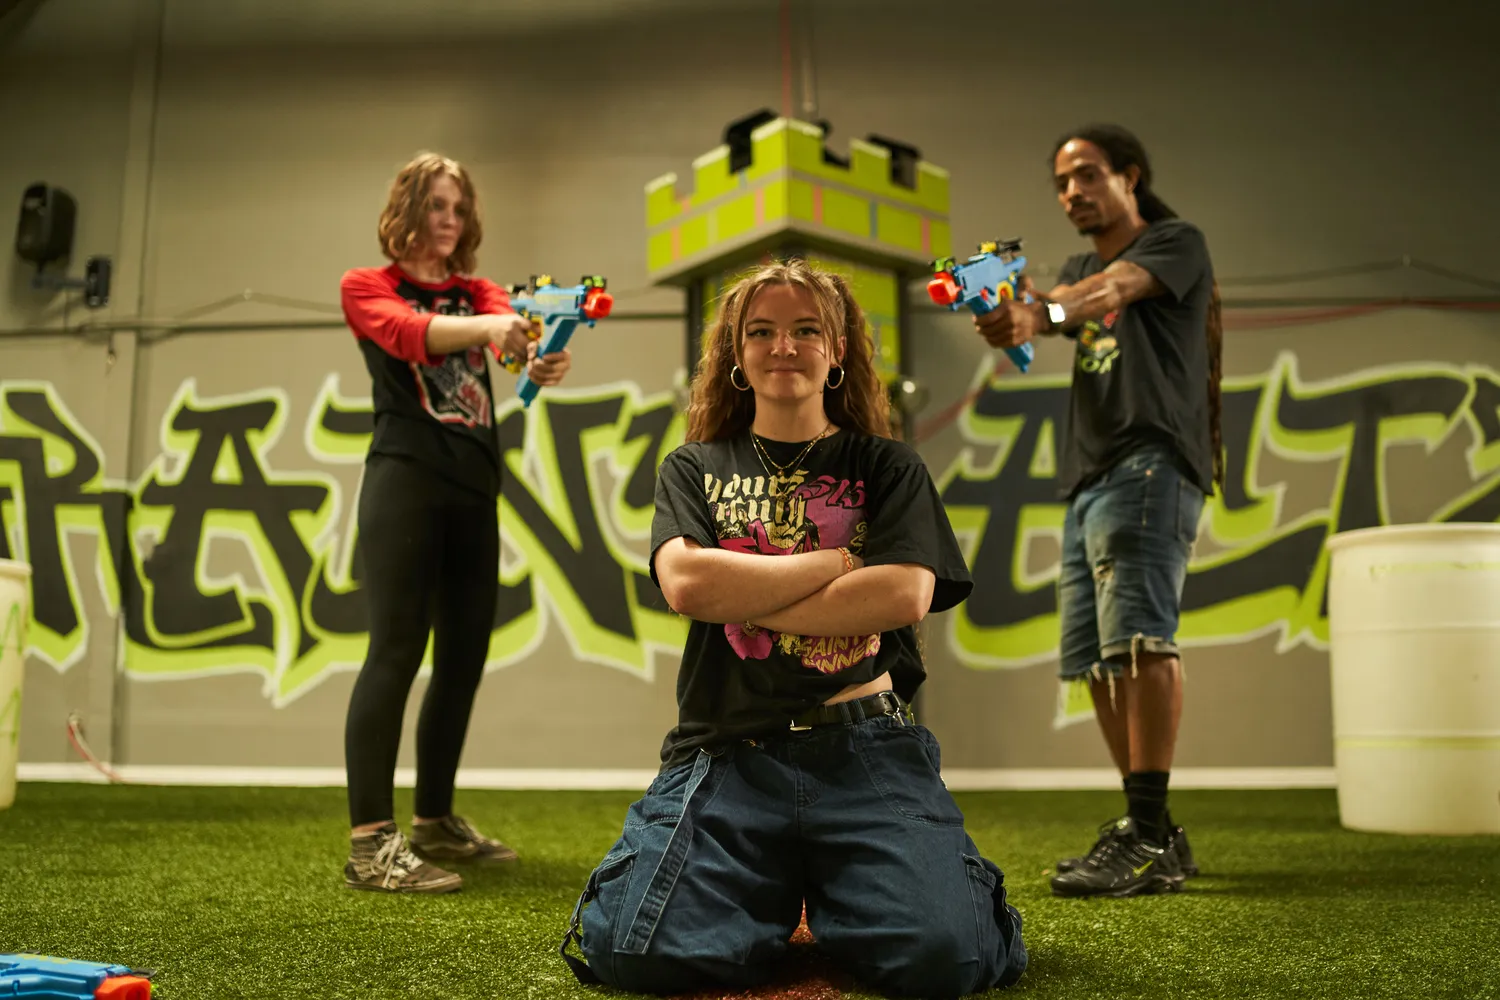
283, 611
1257, 572
301, 614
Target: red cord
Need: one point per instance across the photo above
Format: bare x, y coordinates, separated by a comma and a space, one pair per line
75, 736
934, 424
1259, 319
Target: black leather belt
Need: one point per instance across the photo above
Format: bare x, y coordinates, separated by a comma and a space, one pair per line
857, 710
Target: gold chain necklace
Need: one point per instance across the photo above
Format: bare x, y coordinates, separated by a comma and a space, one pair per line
766, 462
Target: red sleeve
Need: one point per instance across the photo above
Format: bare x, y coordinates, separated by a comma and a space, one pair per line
375, 312
490, 298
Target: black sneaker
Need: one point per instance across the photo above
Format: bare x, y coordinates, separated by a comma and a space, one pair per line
1184, 853
383, 862
1185, 858
1106, 832
454, 838
1125, 866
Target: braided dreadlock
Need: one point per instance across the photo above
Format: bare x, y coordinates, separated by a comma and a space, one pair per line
1124, 150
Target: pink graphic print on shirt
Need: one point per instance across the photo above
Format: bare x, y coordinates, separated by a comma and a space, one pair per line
792, 517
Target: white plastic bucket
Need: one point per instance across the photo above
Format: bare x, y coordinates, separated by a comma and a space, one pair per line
1414, 651
15, 617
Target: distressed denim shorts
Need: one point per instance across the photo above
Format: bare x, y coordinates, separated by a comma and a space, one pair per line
1127, 539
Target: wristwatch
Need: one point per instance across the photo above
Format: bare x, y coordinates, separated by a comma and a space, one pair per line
1056, 316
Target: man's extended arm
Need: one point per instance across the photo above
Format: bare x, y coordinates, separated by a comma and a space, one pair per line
1016, 321
1098, 295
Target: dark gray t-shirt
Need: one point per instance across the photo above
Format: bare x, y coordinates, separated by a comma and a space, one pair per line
1140, 374
873, 495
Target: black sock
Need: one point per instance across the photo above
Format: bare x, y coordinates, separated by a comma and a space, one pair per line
1147, 798
1171, 824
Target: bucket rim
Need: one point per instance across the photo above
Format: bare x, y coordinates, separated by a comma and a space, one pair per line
1434, 530
16, 568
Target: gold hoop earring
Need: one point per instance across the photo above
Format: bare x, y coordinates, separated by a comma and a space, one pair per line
732, 382
835, 385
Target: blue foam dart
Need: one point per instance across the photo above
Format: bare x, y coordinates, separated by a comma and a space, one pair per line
981, 283
45, 977
560, 309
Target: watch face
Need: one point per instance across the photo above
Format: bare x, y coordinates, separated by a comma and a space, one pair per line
1055, 312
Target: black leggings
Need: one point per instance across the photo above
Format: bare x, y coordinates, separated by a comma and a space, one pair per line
431, 554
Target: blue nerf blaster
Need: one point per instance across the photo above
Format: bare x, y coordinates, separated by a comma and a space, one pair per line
42, 977
980, 283
561, 310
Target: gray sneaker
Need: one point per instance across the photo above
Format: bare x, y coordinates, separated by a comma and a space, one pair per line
383, 862
454, 838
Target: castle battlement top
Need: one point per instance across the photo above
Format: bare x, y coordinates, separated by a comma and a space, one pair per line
881, 203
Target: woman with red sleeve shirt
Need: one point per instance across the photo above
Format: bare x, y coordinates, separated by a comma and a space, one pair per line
428, 529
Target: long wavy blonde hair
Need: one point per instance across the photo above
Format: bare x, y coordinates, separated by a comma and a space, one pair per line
403, 223
717, 410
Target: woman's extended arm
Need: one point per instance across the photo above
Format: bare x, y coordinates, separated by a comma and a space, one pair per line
378, 313
447, 334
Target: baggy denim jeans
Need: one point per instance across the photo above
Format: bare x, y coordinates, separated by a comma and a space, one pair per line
1127, 541
707, 880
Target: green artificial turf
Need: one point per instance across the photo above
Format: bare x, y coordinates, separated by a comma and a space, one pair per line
238, 893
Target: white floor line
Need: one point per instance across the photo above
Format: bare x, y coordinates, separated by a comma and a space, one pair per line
957, 779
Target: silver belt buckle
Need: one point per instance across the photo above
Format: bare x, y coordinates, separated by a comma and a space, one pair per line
894, 706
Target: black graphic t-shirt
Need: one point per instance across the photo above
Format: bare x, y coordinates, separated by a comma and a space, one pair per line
1140, 374
871, 495
436, 409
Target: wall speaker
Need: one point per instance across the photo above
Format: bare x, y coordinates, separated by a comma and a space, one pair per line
45, 231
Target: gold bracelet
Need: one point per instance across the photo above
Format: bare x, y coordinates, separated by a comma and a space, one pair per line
848, 561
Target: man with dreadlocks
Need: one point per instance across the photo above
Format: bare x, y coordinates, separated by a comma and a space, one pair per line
1140, 454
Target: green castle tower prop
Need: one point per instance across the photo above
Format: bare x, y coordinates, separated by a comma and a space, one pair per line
773, 189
